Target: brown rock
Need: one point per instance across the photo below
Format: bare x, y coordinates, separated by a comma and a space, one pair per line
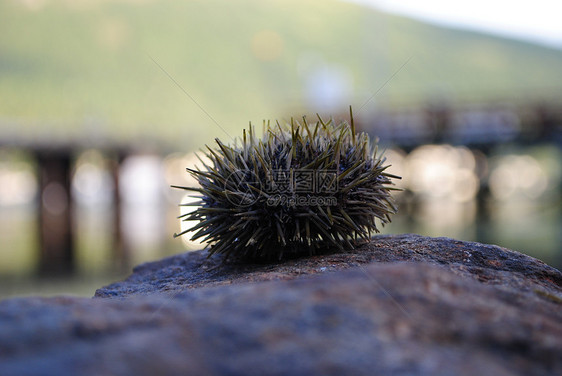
429, 306
487, 263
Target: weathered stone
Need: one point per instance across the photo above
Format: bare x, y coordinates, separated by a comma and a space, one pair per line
487, 263
429, 306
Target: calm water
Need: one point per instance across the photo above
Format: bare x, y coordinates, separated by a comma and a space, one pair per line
520, 209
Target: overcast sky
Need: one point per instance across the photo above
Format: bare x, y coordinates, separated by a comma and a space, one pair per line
536, 20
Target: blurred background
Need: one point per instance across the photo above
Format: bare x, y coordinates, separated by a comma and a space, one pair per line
103, 104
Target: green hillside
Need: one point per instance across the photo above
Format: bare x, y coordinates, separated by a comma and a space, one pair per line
72, 70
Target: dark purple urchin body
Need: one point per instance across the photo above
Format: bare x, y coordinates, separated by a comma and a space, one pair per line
300, 189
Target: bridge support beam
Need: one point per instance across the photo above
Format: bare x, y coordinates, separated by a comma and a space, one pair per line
56, 241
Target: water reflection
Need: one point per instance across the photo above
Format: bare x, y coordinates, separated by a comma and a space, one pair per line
18, 241
510, 198
92, 185
441, 172
517, 177
18, 184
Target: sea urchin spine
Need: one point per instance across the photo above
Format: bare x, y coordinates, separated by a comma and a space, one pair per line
299, 189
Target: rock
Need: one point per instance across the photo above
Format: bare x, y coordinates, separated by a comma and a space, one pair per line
487, 263
428, 306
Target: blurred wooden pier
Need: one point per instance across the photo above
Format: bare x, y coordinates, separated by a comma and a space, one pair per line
54, 160
481, 127
477, 126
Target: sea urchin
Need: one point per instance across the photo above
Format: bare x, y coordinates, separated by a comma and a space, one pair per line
299, 189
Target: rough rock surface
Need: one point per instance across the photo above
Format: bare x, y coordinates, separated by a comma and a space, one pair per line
487, 263
427, 307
